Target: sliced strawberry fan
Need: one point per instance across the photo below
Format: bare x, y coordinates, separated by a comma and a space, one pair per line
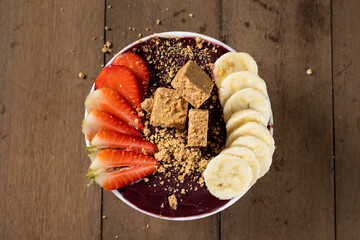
108, 100
109, 139
112, 125
97, 121
138, 66
113, 169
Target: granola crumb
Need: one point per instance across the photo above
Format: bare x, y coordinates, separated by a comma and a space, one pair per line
147, 226
140, 35
104, 217
147, 29
173, 202
82, 75
309, 71
181, 178
147, 132
107, 28
107, 47
191, 15
146, 179
72, 50
158, 21
94, 38
147, 104
116, 236
109, 6
61, 9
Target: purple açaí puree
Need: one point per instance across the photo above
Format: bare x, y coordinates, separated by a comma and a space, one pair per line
152, 196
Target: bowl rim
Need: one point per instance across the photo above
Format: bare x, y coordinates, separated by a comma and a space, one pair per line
180, 34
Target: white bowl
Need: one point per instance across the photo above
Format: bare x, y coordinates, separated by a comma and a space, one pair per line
180, 35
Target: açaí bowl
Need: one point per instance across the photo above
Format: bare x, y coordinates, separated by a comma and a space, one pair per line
179, 34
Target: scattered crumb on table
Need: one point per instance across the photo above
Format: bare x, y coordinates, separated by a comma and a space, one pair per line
82, 75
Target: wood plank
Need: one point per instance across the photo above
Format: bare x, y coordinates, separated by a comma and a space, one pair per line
346, 73
42, 164
120, 219
295, 199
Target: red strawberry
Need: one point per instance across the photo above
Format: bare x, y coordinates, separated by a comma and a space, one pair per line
97, 121
113, 169
121, 80
109, 139
108, 100
138, 66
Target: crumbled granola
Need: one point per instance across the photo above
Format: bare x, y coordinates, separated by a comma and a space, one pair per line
82, 75
173, 201
181, 166
147, 104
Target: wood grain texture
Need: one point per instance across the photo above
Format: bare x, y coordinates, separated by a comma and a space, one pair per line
42, 164
295, 200
120, 219
346, 74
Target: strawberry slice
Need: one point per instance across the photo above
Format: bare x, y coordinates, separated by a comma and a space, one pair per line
108, 100
97, 121
121, 80
138, 66
109, 139
113, 169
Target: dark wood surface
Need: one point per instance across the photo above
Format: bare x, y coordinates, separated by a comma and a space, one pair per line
42, 164
313, 188
346, 76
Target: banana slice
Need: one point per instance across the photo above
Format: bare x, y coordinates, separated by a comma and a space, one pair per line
249, 156
240, 80
247, 98
241, 117
260, 148
227, 176
233, 62
253, 129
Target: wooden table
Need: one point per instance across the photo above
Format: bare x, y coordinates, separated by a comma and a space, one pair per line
313, 188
